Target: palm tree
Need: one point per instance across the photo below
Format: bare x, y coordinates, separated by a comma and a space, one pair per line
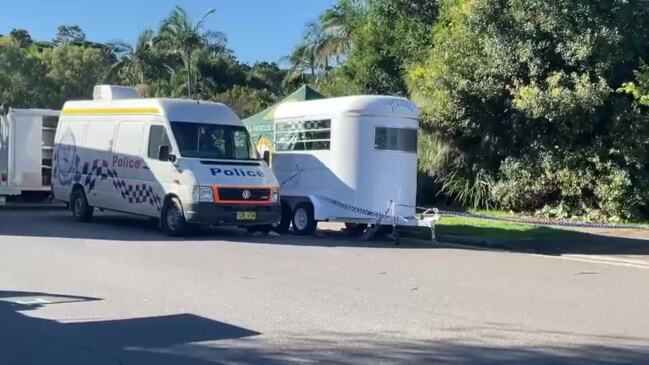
337, 26
304, 58
179, 35
329, 37
135, 60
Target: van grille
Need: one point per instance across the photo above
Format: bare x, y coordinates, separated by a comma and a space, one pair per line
237, 194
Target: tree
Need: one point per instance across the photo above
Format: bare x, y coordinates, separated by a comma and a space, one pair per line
135, 60
392, 35
69, 34
303, 58
75, 70
22, 82
22, 36
246, 101
337, 26
639, 88
520, 98
266, 75
179, 35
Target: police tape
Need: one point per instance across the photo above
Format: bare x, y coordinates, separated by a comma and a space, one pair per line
289, 179
380, 217
538, 221
294, 176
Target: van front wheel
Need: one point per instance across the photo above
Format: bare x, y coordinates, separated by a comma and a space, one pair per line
172, 219
79, 206
304, 223
285, 222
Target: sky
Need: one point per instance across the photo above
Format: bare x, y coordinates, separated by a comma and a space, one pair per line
257, 30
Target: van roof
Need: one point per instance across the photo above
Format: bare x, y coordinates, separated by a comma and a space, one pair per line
180, 110
361, 105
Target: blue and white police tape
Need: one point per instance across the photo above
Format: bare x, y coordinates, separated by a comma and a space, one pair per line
538, 221
294, 176
380, 217
283, 183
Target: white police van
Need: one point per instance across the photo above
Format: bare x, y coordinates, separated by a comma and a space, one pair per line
182, 161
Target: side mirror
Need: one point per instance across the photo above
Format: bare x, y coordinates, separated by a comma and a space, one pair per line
266, 157
163, 153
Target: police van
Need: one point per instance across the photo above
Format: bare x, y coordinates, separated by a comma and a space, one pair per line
182, 161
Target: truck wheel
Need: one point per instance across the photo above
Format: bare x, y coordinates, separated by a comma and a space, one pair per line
285, 223
355, 229
172, 219
304, 223
79, 206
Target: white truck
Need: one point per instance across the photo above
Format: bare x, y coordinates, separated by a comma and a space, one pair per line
350, 159
185, 162
26, 144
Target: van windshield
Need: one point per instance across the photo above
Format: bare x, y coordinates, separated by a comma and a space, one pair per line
213, 141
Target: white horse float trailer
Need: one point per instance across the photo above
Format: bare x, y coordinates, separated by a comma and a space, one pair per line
349, 159
26, 144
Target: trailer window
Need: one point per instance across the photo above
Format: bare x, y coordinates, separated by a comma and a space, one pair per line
308, 135
395, 139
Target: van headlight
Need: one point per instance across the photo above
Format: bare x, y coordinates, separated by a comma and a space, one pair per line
203, 194
274, 193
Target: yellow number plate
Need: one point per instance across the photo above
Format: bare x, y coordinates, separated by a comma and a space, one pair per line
246, 216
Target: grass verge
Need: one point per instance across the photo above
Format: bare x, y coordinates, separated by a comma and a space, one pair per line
450, 227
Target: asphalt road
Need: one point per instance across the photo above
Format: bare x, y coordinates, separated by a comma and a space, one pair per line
116, 291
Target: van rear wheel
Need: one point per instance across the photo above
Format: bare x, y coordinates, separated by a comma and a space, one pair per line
304, 223
172, 220
79, 206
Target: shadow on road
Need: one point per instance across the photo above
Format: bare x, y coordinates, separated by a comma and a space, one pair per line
128, 228
193, 340
124, 227
27, 340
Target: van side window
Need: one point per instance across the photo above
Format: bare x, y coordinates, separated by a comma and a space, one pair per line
307, 135
157, 137
99, 136
129, 138
395, 139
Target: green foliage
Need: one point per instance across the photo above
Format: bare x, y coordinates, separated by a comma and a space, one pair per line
524, 92
20, 71
180, 36
22, 36
639, 88
73, 71
392, 36
246, 101
161, 63
69, 34
569, 186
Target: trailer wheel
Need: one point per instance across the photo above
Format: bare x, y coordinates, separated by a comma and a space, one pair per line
79, 206
304, 223
285, 223
172, 219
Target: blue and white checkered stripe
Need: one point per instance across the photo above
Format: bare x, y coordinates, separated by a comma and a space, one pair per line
99, 169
